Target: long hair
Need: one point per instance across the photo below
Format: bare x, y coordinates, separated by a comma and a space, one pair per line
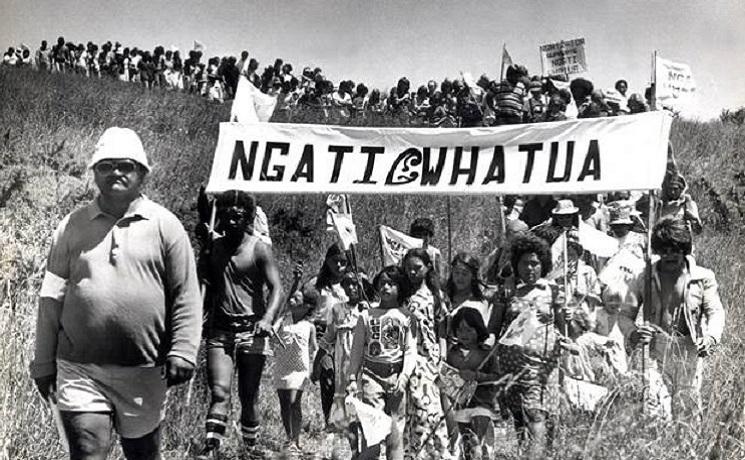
397, 276
324, 279
432, 279
473, 264
473, 318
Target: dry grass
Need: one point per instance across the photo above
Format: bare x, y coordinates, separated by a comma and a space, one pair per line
49, 126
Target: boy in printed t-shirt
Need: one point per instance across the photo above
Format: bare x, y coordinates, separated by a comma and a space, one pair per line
383, 356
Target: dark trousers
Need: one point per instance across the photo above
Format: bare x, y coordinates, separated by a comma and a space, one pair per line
326, 382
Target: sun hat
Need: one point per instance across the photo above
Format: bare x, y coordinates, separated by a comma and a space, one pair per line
620, 215
564, 207
119, 144
535, 86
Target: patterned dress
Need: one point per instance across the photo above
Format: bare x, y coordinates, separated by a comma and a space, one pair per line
534, 365
425, 412
292, 362
338, 342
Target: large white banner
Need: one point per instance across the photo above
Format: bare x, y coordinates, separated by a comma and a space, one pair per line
675, 87
564, 57
575, 156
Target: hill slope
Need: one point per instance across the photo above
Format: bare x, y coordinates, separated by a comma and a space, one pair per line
50, 124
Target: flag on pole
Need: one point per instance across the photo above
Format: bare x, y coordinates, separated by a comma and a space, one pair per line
339, 219
522, 328
251, 105
675, 87
591, 239
506, 61
394, 244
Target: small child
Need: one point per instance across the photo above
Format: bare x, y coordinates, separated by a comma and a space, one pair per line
474, 363
292, 361
337, 342
383, 356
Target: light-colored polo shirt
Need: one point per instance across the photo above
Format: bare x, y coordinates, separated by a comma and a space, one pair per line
126, 289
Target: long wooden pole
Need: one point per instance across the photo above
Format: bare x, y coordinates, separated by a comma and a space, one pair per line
653, 95
647, 290
450, 232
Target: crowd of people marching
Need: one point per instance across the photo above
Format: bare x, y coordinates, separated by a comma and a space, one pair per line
516, 98
445, 348
447, 352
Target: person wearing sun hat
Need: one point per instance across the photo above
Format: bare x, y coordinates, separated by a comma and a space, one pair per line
621, 226
534, 107
120, 312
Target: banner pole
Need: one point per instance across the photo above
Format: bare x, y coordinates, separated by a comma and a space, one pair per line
566, 279
647, 290
653, 90
450, 233
502, 223
543, 67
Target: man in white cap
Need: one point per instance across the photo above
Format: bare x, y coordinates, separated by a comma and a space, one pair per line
119, 311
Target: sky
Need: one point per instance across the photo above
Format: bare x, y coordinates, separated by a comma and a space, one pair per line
379, 41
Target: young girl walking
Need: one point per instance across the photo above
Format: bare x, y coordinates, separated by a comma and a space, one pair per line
383, 358
292, 361
337, 342
477, 364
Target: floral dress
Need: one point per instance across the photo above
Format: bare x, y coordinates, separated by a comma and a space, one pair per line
425, 412
534, 364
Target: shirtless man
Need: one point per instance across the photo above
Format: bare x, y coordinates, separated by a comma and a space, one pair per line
236, 268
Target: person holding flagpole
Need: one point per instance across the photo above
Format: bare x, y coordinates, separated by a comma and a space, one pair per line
535, 307
683, 320
237, 269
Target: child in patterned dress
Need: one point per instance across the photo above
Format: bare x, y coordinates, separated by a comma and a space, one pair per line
292, 361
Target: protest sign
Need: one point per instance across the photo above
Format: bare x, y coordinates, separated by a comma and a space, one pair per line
574, 156
675, 87
564, 57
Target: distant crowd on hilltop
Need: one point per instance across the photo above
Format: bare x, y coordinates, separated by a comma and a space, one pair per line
465, 101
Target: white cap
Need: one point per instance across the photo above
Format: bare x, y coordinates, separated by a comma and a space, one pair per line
119, 144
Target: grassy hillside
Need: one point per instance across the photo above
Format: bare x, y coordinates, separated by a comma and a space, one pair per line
49, 125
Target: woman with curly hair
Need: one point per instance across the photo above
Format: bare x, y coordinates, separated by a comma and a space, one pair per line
533, 362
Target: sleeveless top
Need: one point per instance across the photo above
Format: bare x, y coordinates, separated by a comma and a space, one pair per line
237, 285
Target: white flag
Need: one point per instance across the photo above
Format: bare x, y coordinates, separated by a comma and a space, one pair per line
339, 220
251, 105
521, 329
592, 240
675, 87
376, 424
394, 244
582, 394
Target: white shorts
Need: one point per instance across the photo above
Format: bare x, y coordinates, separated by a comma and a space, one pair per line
135, 396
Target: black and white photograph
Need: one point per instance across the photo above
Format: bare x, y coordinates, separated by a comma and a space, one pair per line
372, 229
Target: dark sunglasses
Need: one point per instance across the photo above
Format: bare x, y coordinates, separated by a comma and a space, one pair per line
108, 166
